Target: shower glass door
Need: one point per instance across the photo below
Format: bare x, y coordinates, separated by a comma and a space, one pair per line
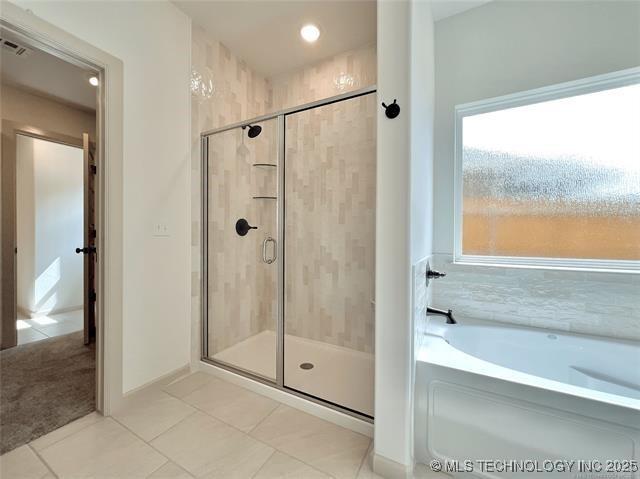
241, 245
329, 225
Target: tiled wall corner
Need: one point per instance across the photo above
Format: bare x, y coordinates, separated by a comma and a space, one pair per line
420, 299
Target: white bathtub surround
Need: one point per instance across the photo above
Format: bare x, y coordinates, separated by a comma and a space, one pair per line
340, 375
495, 392
601, 304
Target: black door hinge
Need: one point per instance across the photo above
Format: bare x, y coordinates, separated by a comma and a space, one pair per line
93, 232
92, 295
94, 169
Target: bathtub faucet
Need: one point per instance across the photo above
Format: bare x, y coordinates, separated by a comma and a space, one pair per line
441, 312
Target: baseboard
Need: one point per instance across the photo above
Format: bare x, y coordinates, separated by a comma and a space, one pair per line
318, 410
36, 314
156, 384
391, 469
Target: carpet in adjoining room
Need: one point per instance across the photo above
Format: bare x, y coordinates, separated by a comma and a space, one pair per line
43, 386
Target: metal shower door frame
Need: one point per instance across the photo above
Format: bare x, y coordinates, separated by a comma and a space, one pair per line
280, 205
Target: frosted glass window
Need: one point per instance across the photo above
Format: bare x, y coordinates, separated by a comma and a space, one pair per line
555, 179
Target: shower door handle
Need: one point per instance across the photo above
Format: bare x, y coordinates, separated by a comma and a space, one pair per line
274, 256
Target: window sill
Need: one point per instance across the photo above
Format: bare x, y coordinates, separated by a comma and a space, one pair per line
587, 266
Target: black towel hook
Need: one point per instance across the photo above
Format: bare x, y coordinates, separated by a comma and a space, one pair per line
392, 110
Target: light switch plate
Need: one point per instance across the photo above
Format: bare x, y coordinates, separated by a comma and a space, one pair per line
161, 230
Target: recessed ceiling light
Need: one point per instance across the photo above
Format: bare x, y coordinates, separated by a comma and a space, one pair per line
93, 80
310, 33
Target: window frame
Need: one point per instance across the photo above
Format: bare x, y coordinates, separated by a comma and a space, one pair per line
552, 92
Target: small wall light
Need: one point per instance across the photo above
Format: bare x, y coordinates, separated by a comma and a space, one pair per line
94, 80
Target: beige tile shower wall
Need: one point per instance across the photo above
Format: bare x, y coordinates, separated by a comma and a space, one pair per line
341, 73
240, 94
242, 288
330, 180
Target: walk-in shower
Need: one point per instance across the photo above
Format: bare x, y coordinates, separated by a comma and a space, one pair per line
288, 249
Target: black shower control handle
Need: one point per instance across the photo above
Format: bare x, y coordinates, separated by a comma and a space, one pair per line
243, 227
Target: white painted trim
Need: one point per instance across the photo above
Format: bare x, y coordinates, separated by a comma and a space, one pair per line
629, 76
328, 414
582, 86
564, 264
39, 314
160, 382
390, 469
48, 37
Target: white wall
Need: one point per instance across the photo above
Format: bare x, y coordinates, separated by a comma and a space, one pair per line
153, 41
49, 226
44, 113
393, 255
403, 218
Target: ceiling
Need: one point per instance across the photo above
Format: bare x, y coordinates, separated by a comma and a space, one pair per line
266, 34
46, 75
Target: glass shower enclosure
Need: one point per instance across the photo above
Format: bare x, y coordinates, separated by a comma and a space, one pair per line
288, 249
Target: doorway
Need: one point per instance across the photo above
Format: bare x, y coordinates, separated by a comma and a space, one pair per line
54, 218
49, 231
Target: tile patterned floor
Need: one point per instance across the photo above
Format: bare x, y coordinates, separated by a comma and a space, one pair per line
196, 427
43, 327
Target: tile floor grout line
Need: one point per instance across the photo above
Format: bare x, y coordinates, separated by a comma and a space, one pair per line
280, 404
277, 449
190, 392
72, 434
264, 463
154, 437
240, 430
369, 447
42, 459
253, 437
151, 445
198, 408
159, 467
265, 418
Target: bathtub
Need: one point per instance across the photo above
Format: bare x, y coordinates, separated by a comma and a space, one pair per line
502, 397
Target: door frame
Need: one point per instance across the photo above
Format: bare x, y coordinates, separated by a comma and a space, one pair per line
41, 35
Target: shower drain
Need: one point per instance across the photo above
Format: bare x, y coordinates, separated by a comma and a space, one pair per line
306, 366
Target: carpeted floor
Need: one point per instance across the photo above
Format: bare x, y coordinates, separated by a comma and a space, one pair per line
43, 386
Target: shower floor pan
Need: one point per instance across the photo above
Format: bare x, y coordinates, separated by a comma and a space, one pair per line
339, 375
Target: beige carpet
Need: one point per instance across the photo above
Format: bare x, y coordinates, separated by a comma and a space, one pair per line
43, 386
